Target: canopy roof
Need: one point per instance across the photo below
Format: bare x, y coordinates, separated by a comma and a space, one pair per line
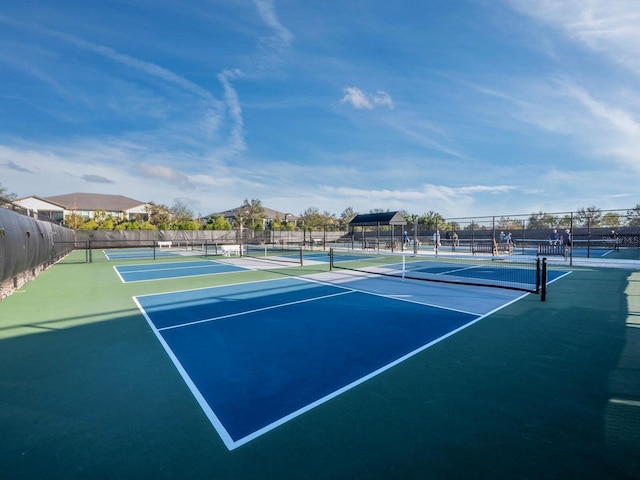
372, 219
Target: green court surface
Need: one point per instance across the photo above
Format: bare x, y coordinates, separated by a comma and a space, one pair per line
534, 390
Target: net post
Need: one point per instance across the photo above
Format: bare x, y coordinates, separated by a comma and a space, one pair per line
543, 281
404, 265
301, 257
331, 259
154, 249
90, 251
571, 241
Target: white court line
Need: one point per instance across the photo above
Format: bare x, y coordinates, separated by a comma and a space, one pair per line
213, 271
400, 298
206, 408
320, 401
160, 267
246, 312
232, 444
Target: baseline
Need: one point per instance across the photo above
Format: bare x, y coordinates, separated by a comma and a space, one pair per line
164, 271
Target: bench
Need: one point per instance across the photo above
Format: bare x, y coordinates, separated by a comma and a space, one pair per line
164, 243
228, 250
552, 250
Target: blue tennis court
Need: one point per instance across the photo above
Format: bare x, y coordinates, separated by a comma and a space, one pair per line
258, 354
163, 271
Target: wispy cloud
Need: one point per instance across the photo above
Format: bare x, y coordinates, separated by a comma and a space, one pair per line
234, 109
605, 125
18, 168
428, 193
267, 11
96, 179
611, 28
383, 98
423, 134
273, 48
364, 101
269, 56
616, 118
588, 101
148, 68
164, 173
142, 149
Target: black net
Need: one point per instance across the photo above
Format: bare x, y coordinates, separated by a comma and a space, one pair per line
276, 253
511, 273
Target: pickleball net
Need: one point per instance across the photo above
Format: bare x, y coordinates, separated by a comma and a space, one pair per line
276, 253
525, 274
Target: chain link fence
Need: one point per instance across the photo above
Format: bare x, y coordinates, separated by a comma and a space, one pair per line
28, 245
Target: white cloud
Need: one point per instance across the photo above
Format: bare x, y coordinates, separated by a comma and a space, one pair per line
356, 98
610, 27
163, 172
446, 200
614, 117
383, 98
603, 124
493, 189
237, 143
363, 101
267, 12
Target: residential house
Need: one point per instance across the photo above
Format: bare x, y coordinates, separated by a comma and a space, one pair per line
57, 207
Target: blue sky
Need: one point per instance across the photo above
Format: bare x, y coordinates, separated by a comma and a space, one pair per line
462, 107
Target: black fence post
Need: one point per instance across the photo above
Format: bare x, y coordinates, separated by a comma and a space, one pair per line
543, 281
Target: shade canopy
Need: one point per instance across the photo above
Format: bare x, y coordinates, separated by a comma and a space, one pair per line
374, 219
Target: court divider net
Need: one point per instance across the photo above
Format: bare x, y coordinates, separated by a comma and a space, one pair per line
523, 274
275, 253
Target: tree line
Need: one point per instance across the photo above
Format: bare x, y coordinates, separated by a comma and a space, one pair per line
251, 216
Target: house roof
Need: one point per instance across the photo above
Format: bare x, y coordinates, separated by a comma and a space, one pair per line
94, 201
39, 203
269, 213
384, 218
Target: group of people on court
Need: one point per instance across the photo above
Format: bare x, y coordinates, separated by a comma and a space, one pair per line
507, 241
436, 238
557, 239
